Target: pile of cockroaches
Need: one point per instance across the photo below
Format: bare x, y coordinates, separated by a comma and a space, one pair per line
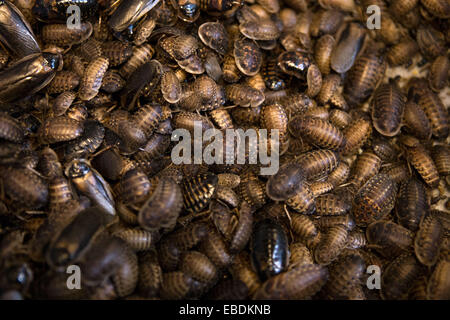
89, 99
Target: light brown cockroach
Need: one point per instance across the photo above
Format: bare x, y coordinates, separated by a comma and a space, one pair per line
322, 53
356, 239
117, 52
253, 191
231, 72
303, 226
144, 30
215, 248
402, 52
63, 102
188, 237
298, 283
63, 81
441, 158
222, 119
320, 187
176, 285
198, 266
329, 204
171, 87
389, 238
438, 73
439, 281
429, 237
325, 22
366, 166
300, 255
339, 175
59, 191
318, 163
198, 191
168, 255
330, 86
356, 134
92, 79
339, 118
416, 121
303, 200
112, 82
244, 95
134, 186
330, 246
244, 228
297, 103
61, 35
431, 41
319, 132
125, 278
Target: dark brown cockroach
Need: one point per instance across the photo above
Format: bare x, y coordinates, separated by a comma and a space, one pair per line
399, 277
253, 191
339, 175
227, 196
63, 102
134, 186
28, 75
150, 274
63, 81
323, 51
388, 106
421, 160
401, 7
271, 76
104, 258
300, 255
16, 33
441, 158
326, 22
175, 285
222, 218
198, 266
314, 80
297, 103
244, 228
329, 204
339, 118
330, 246
215, 248
295, 63
303, 226
262, 29
171, 87
274, 117
4, 56
230, 73
49, 165
188, 237
429, 237
286, 182
125, 278
74, 240
438, 73
241, 270
247, 56
117, 52
431, 41
90, 183
402, 52
11, 129
356, 239
112, 82
147, 118
348, 46
439, 282
384, 148
88, 142
244, 95
139, 57
60, 129
416, 121
411, 204
92, 79
318, 163
329, 87
76, 63
389, 238
163, 206
90, 50
363, 77
214, 35
168, 255
375, 199
229, 289
418, 290
344, 275
155, 147
269, 249
319, 132
25, 187
298, 283
436, 113
53, 285
366, 166
198, 191
246, 116
61, 35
